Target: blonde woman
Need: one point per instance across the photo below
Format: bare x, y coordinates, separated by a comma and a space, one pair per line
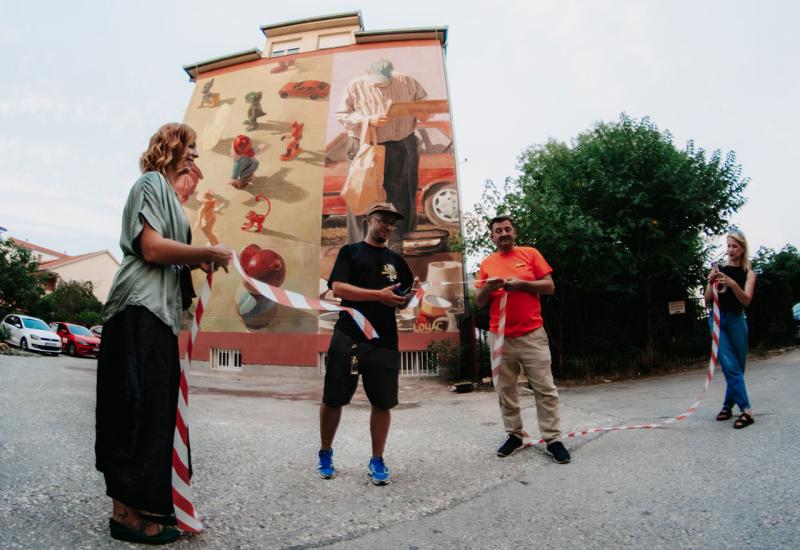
138, 369
736, 284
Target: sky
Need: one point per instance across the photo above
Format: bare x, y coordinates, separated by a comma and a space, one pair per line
84, 84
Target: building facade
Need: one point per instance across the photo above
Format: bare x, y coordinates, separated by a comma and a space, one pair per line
277, 129
98, 268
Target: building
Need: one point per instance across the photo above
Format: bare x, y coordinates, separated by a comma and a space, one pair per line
276, 129
98, 268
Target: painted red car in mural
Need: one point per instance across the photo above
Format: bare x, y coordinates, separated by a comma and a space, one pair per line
75, 339
437, 195
311, 89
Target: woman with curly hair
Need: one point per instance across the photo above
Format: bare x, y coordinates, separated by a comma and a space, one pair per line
736, 283
138, 369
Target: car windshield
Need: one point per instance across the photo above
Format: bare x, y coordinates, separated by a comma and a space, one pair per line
35, 324
79, 330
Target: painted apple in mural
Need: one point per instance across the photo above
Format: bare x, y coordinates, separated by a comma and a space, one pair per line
247, 254
264, 265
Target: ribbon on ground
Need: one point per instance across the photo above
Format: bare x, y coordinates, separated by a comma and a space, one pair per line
182, 501
298, 301
528, 441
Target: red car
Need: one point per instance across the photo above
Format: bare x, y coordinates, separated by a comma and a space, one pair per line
437, 195
76, 340
311, 89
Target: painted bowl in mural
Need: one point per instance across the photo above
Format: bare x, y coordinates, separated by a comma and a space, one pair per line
256, 311
435, 306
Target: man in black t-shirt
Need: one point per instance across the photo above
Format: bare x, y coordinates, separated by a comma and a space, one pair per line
374, 280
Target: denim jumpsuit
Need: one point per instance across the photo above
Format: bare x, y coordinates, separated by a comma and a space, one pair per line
733, 337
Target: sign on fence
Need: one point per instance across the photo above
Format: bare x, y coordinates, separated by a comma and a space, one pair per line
677, 307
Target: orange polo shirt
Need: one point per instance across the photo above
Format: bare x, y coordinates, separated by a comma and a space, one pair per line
523, 310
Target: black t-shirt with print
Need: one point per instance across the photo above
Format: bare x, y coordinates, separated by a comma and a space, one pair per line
367, 266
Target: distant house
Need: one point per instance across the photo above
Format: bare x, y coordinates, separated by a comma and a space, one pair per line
98, 268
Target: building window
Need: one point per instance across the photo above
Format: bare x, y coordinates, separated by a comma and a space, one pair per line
334, 40
285, 48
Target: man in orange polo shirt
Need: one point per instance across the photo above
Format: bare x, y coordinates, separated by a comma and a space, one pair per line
524, 274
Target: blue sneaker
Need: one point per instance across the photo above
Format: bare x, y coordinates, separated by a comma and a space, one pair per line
325, 466
378, 472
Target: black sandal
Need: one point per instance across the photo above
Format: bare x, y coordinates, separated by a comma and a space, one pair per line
743, 421
724, 414
169, 520
128, 534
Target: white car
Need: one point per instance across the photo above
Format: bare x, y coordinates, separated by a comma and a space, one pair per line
31, 334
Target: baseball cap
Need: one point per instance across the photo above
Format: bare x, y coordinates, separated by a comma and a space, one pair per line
380, 72
384, 207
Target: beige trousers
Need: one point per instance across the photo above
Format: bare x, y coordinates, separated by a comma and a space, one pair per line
530, 354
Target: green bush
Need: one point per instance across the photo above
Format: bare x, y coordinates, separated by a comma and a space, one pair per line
446, 357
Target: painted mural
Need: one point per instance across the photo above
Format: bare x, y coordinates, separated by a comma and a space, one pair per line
273, 181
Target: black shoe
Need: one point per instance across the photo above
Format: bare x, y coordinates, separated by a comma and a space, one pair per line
559, 453
511, 446
123, 532
170, 520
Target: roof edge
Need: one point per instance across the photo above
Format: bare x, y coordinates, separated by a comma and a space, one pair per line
195, 69
439, 33
295, 22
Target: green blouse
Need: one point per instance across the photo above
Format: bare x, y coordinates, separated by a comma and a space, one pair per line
139, 283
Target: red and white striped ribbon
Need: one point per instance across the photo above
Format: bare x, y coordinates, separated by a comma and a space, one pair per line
528, 441
182, 502
298, 301
414, 301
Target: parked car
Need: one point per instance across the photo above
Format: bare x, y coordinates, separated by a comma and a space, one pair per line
311, 89
97, 330
796, 315
75, 339
31, 334
437, 195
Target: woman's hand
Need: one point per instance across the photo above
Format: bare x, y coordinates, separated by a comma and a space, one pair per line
218, 256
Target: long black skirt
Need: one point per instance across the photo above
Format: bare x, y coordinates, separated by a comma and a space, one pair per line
138, 372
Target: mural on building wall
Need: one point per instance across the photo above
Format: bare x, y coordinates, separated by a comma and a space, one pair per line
275, 142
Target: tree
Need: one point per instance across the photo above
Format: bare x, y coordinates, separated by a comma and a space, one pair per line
72, 302
20, 284
777, 290
624, 218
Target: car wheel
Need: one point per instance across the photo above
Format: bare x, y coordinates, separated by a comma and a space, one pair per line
313, 96
284, 95
441, 205
23, 344
71, 349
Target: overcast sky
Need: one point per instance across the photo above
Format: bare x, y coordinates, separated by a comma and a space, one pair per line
84, 84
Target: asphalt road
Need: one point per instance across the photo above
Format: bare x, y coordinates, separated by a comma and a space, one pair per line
697, 484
